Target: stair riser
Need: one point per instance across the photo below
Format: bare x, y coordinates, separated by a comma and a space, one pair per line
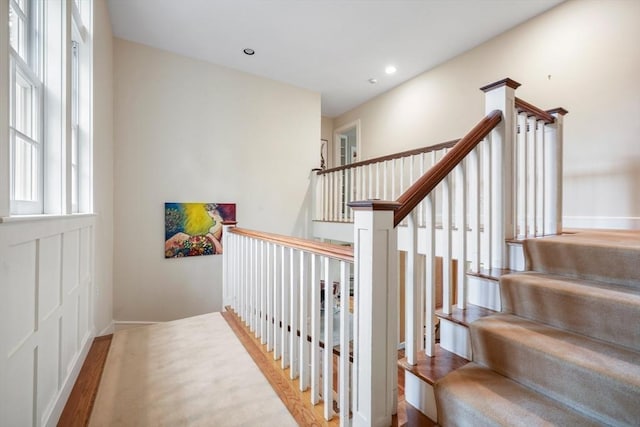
454, 337
616, 397
420, 395
609, 316
483, 292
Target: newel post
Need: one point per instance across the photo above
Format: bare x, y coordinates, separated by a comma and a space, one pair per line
316, 195
375, 345
501, 96
228, 285
553, 157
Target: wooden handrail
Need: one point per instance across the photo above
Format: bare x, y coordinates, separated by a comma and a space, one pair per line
532, 110
427, 182
399, 155
341, 253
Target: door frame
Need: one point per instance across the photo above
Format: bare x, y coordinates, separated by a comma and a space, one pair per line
336, 141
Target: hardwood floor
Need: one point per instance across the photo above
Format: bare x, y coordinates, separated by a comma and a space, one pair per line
78, 408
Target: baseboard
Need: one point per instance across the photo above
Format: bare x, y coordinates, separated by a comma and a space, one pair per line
602, 222
51, 420
108, 330
119, 325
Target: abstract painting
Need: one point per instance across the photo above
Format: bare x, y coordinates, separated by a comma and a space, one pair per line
193, 229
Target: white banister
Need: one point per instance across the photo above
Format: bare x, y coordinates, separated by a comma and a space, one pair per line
413, 319
501, 96
375, 358
553, 191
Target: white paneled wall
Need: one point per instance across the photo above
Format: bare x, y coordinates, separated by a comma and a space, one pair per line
46, 326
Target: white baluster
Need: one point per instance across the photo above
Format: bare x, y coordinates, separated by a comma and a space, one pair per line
284, 361
385, 185
277, 304
327, 366
487, 203
304, 321
294, 315
474, 212
412, 302
344, 369
263, 295
269, 290
541, 174
430, 276
446, 245
521, 176
315, 330
461, 208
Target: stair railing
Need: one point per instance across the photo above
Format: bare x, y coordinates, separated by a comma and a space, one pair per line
294, 295
461, 213
383, 178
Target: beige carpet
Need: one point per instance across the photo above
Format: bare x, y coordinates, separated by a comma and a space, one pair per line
189, 372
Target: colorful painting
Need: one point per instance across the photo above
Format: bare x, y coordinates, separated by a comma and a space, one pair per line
193, 229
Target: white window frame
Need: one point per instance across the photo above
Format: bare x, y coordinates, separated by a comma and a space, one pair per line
60, 91
30, 70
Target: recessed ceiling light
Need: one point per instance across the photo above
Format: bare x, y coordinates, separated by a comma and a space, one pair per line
373, 81
249, 51
390, 69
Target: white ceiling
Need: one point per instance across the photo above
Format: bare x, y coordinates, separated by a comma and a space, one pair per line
330, 46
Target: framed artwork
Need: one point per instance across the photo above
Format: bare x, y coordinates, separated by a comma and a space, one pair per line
194, 229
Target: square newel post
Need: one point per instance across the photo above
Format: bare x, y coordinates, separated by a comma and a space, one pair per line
501, 96
376, 313
228, 255
553, 172
316, 195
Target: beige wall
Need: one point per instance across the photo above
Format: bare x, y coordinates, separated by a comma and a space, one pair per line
103, 164
187, 131
589, 48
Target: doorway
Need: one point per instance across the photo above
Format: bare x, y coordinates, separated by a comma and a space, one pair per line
347, 152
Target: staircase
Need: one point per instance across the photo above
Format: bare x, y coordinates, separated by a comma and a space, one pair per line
565, 349
558, 344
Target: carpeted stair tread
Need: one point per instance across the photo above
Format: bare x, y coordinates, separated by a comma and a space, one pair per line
610, 256
598, 379
596, 309
477, 396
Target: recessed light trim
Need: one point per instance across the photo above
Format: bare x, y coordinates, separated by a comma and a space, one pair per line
373, 80
249, 51
390, 69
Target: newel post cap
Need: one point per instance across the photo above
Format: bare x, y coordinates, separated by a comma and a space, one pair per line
374, 205
504, 82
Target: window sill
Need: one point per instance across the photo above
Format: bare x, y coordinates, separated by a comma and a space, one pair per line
43, 217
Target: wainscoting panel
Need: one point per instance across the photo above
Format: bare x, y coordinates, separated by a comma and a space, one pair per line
46, 326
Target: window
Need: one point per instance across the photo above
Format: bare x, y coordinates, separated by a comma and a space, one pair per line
49, 106
75, 125
25, 120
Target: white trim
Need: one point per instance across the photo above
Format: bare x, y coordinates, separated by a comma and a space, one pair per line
53, 417
108, 330
43, 217
606, 222
119, 325
336, 141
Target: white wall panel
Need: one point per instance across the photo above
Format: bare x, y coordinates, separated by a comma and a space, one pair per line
45, 315
49, 270
48, 365
69, 338
18, 397
20, 307
70, 261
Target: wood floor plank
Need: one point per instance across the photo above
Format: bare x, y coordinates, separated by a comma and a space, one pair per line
78, 408
297, 402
